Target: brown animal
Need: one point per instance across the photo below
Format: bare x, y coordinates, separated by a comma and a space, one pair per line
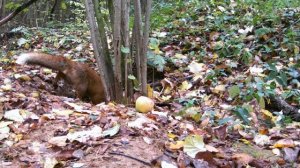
85, 80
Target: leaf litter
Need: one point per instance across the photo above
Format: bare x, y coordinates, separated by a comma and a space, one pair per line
199, 119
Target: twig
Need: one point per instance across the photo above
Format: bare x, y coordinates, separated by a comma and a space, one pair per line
131, 157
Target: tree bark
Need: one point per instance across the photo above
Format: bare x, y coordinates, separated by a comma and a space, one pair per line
17, 11
54, 7
138, 34
145, 47
2, 8
110, 5
102, 61
125, 41
101, 26
117, 50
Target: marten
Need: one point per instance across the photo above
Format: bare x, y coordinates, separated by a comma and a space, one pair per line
85, 80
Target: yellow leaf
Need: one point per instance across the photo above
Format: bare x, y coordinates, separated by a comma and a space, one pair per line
171, 136
25, 78
35, 94
185, 86
150, 91
177, 145
26, 46
167, 90
157, 51
166, 98
20, 95
219, 88
22, 77
18, 137
47, 71
245, 141
215, 56
269, 114
284, 143
111, 104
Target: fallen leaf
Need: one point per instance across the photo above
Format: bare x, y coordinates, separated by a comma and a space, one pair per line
256, 71
58, 141
206, 156
63, 112
219, 89
83, 136
47, 70
77, 165
112, 131
276, 151
234, 91
284, 143
177, 145
139, 122
290, 155
165, 164
185, 86
262, 140
211, 148
221, 132
50, 162
148, 140
242, 158
14, 115
6, 87
195, 67
193, 144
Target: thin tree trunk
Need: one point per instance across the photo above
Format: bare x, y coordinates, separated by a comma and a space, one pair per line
145, 47
125, 35
110, 4
139, 35
101, 26
117, 50
17, 11
102, 61
54, 7
2, 8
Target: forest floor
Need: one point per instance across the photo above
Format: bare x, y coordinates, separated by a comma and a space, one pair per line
210, 111
40, 127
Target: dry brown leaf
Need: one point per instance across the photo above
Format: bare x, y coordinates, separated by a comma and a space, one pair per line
242, 158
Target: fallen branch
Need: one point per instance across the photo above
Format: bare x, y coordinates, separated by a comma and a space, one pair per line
14, 13
287, 109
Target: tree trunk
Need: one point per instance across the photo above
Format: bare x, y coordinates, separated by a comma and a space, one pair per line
145, 47
101, 26
102, 61
2, 2
54, 7
138, 34
110, 5
117, 50
125, 41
